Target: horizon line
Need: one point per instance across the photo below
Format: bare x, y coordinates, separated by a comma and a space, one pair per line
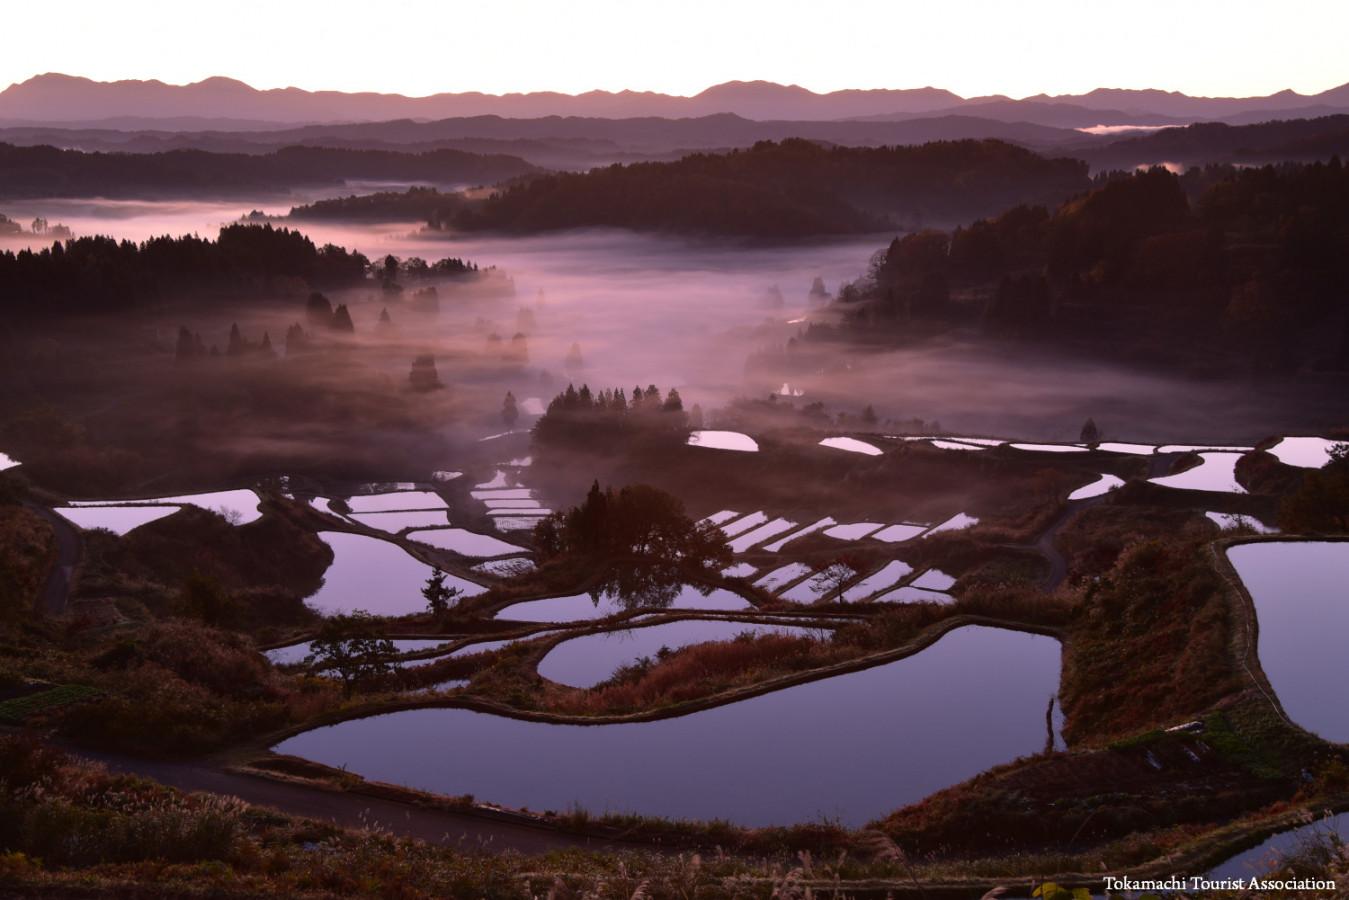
655, 93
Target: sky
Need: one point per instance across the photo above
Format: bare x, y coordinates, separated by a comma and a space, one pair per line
418, 47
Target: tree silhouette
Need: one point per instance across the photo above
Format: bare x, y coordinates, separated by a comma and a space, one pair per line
349, 645
438, 596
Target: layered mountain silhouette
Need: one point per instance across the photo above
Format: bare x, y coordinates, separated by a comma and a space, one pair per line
227, 104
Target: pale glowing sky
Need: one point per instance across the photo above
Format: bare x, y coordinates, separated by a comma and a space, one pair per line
417, 47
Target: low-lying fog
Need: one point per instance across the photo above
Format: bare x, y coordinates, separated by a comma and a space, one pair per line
688, 314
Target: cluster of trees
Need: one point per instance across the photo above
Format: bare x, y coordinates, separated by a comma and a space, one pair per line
513, 352
90, 275
1248, 259
45, 171
320, 313
787, 189
1320, 505
585, 417
416, 204
40, 226
641, 540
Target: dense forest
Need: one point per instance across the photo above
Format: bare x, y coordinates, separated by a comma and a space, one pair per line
416, 204
1250, 262
101, 275
52, 172
1292, 140
788, 189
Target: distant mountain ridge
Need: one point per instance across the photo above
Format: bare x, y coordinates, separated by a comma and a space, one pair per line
227, 103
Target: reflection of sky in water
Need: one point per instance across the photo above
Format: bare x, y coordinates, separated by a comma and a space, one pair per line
1298, 589
853, 746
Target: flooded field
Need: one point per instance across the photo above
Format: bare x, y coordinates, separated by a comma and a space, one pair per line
848, 748
1300, 599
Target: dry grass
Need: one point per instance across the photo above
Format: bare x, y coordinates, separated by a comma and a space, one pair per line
699, 671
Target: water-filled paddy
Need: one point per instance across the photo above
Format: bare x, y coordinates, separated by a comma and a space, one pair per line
852, 445
396, 500
958, 522
759, 535
394, 522
1229, 521
852, 747
241, 505
464, 542
117, 519
895, 534
1304, 452
585, 661
1256, 861
723, 440
377, 576
887, 577
912, 594
1103, 485
798, 534
1303, 611
852, 531
783, 576
1215, 472
582, 607
744, 523
296, 653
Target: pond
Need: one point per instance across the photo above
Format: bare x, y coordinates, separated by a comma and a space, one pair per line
583, 662
1216, 472
377, 576
1303, 611
117, 519
851, 748
582, 607
723, 440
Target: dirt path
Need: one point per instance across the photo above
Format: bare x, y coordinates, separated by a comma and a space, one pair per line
350, 810
1045, 546
56, 592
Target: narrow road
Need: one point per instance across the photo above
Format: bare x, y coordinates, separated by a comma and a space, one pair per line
56, 592
350, 810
